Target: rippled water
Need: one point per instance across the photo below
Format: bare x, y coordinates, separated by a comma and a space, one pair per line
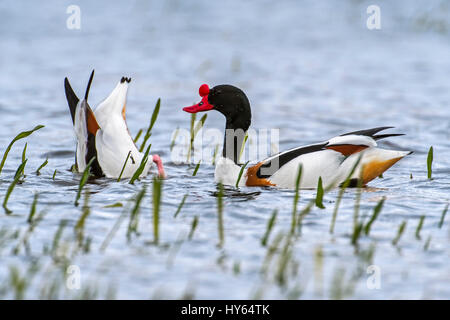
313, 70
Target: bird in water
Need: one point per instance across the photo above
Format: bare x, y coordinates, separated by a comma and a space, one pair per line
353, 156
103, 136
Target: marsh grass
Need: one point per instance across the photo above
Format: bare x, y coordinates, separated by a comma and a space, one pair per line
19, 173
193, 227
430, 163
54, 175
240, 174
419, 227
124, 165
38, 171
174, 138
400, 231
80, 224
296, 198
21, 135
141, 167
194, 129
84, 178
157, 194
319, 194
196, 168
180, 206
344, 186
148, 133
220, 216
138, 135
134, 215
270, 224
441, 221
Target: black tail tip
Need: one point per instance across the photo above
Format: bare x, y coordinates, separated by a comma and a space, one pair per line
128, 80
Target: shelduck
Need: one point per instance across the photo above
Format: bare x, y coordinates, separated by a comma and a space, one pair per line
104, 134
332, 160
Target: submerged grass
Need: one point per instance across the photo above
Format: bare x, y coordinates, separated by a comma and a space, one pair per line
400, 231
38, 171
220, 216
193, 227
319, 195
441, 221
141, 167
124, 165
270, 225
84, 178
21, 135
148, 133
240, 173
419, 227
180, 205
18, 175
430, 163
134, 216
157, 193
376, 212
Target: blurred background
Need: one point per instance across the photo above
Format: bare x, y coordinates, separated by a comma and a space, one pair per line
311, 68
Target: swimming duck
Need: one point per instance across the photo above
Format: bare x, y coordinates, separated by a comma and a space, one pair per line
333, 160
104, 134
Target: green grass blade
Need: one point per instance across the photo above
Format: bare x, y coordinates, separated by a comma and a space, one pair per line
38, 171
54, 175
419, 226
344, 185
376, 212
83, 180
240, 174
175, 135
441, 222
180, 205
193, 227
220, 216
141, 167
196, 168
134, 216
157, 193
319, 196
269, 228
150, 127
21, 135
400, 231
138, 135
11, 187
124, 165
430, 162
33, 208
24, 152
243, 146
296, 198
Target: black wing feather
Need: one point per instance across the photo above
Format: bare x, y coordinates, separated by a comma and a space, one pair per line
72, 98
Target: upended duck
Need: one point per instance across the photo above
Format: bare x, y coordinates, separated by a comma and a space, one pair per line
104, 134
352, 157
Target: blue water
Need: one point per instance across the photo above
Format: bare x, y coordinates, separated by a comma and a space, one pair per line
312, 70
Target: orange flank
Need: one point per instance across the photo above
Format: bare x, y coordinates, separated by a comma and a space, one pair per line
375, 168
92, 125
347, 149
124, 109
253, 180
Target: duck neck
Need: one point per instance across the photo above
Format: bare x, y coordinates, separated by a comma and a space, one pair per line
234, 138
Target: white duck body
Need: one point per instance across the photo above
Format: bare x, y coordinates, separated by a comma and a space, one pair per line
353, 153
113, 140
105, 135
331, 165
